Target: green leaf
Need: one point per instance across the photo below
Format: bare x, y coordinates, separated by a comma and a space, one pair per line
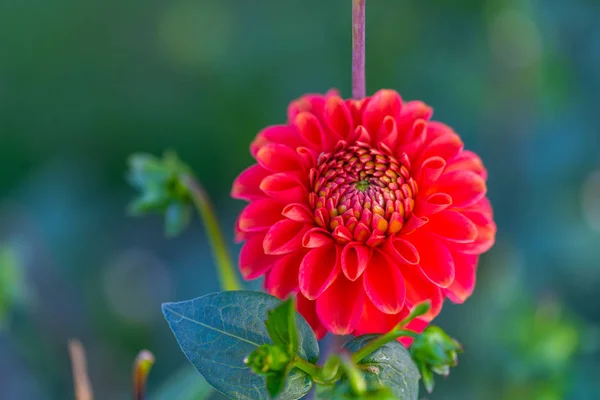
281, 326
184, 384
217, 331
428, 380
389, 366
434, 352
276, 382
145, 169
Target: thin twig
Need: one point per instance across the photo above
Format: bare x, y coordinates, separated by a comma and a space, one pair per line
81, 380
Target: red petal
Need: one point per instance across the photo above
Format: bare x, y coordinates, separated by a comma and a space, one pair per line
446, 146
280, 134
388, 133
308, 157
298, 212
384, 284
383, 103
310, 130
357, 108
430, 171
432, 204
308, 310
453, 226
402, 251
284, 187
361, 232
285, 237
436, 260
411, 111
420, 289
317, 237
312, 102
374, 321
342, 234
412, 142
340, 307
283, 276
279, 158
238, 234
465, 187
318, 270
436, 129
259, 215
468, 161
252, 260
414, 222
338, 118
246, 185
362, 135
355, 258
464, 281
486, 234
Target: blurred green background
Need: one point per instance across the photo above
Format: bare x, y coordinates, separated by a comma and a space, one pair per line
84, 83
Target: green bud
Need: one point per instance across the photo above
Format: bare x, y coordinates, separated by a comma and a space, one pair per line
267, 359
434, 352
417, 311
161, 190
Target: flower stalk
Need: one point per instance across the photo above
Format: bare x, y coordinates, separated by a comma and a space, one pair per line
394, 334
225, 266
359, 89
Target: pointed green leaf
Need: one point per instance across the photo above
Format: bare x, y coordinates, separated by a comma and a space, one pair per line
281, 326
276, 382
217, 331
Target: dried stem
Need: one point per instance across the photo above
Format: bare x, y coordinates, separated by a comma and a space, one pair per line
359, 89
81, 380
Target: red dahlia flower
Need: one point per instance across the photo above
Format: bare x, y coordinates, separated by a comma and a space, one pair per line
363, 209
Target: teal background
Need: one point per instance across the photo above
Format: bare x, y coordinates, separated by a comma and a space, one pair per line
84, 83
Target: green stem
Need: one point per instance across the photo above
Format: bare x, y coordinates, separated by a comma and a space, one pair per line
225, 266
380, 341
395, 333
355, 375
314, 371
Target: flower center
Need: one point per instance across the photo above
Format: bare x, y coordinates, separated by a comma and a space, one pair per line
361, 194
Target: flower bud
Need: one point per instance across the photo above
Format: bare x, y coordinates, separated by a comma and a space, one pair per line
267, 358
434, 352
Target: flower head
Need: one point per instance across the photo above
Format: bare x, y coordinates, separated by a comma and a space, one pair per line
363, 209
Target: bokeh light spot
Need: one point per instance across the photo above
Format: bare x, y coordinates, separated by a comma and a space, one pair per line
196, 34
515, 39
135, 284
590, 196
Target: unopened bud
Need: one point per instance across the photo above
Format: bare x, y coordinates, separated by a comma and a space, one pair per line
267, 358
